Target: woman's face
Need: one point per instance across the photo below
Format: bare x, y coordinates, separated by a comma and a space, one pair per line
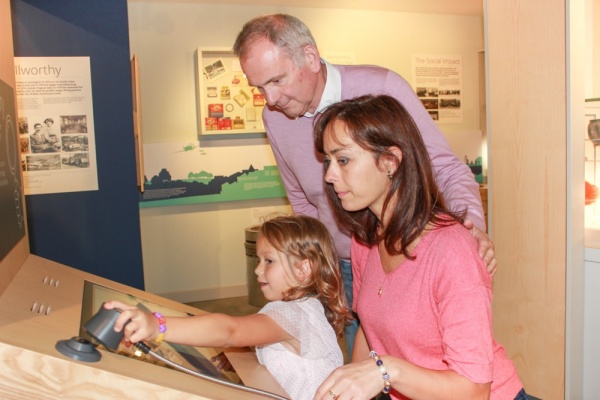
353, 172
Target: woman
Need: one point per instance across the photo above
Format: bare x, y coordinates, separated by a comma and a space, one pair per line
421, 291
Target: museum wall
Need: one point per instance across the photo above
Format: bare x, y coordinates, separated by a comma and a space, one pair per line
195, 252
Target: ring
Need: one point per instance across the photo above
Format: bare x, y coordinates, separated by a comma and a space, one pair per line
333, 395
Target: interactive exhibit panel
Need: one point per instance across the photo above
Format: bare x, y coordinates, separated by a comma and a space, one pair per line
45, 307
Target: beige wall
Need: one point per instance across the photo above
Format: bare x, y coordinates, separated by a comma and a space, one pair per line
592, 46
196, 252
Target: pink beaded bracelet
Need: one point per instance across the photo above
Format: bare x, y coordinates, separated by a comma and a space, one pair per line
387, 385
162, 327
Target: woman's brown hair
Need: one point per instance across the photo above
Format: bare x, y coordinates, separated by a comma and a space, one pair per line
377, 123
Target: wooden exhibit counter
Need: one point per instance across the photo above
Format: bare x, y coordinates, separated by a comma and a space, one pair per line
42, 305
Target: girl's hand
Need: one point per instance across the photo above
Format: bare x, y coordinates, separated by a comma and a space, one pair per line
135, 324
360, 380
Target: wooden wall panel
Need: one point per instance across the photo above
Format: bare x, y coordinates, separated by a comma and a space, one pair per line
527, 185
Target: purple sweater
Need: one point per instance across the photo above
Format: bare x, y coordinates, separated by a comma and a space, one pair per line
301, 166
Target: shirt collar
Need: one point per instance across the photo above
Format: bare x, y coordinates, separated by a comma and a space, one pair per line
333, 89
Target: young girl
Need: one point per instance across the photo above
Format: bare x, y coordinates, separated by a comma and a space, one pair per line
295, 334
421, 291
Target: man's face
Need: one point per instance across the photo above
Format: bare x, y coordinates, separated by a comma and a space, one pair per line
291, 88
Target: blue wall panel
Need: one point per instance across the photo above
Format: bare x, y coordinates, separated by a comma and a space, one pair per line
94, 231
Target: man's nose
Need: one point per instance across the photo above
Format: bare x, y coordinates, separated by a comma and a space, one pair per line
271, 96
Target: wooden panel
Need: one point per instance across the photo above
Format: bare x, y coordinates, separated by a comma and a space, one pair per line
483, 192
527, 183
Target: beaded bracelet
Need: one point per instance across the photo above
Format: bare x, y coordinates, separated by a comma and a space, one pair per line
162, 327
387, 385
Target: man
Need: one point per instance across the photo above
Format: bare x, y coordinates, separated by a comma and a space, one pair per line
40, 143
279, 56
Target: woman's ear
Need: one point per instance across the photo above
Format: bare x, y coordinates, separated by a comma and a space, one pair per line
392, 163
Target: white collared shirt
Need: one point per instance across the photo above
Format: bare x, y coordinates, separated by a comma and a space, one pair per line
333, 89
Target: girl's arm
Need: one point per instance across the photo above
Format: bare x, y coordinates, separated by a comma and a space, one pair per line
209, 330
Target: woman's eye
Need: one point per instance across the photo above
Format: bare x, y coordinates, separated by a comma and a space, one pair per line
343, 161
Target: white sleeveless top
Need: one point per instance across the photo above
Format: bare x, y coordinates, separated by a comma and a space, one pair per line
301, 375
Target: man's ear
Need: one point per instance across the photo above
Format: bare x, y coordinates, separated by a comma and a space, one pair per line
303, 270
313, 59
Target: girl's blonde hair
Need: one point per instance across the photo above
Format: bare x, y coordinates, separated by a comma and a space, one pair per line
305, 238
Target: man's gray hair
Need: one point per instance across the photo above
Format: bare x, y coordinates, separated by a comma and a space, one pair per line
284, 31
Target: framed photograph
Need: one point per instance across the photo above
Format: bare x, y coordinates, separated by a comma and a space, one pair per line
226, 103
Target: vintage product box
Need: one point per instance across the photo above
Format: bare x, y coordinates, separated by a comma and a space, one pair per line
238, 123
211, 123
241, 98
258, 99
225, 93
225, 124
215, 110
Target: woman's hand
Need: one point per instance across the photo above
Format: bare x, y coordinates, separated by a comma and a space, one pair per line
360, 380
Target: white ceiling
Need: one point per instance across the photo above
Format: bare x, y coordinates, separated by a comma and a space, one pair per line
456, 7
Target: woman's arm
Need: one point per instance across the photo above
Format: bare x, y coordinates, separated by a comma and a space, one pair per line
363, 379
361, 347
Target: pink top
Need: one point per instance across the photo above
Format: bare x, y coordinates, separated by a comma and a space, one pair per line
301, 166
434, 311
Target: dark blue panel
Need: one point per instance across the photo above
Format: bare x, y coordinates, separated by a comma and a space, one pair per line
95, 231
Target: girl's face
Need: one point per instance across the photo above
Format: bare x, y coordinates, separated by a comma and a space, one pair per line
353, 171
274, 274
